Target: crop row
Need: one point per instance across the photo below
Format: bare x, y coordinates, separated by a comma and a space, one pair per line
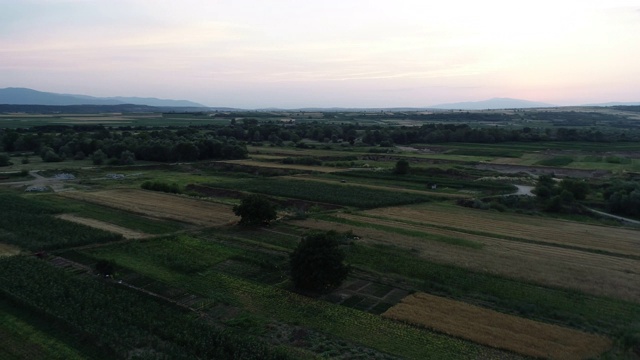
346, 195
119, 319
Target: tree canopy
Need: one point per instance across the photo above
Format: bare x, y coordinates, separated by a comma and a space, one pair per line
255, 210
317, 264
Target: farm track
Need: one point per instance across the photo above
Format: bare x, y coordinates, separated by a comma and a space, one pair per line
160, 206
499, 330
127, 233
592, 273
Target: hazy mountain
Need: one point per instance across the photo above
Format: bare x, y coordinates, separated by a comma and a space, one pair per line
23, 96
495, 103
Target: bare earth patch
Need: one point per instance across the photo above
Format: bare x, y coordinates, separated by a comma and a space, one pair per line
8, 250
127, 233
496, 329
160, 206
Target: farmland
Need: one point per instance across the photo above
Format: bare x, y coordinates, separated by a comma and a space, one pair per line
445, 264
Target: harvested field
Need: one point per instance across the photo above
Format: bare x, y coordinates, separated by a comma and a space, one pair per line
590, 272
488, 327
610, 239
127, 233
160, 205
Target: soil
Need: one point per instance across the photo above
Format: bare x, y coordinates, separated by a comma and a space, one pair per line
127, 233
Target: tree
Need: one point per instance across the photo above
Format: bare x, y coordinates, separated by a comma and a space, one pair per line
255, 210
5, 160
317, 264
98, 157
402, 167
105, 267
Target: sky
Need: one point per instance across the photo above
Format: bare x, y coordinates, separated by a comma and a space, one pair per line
329, 53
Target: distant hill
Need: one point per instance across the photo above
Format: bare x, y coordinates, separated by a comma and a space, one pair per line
615, 104
24, 96
495, 103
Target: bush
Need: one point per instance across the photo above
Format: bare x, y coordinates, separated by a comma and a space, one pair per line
172, 188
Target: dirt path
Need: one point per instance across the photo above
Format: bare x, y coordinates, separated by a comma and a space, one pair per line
127, 233
38, 180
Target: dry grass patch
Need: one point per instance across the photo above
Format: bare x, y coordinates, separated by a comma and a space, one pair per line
611, 239
488, 327
8, 250
160, 205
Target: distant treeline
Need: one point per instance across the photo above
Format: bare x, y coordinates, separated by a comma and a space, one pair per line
87, 109
124, 147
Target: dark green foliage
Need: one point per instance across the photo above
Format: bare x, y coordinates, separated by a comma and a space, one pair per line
556, 161
623, 197
119, 319
4, 160
98, 157
402, 167
555, 197
255, 210
105, 267
306, 160
578, 188
172, 188
317, 264
338, 194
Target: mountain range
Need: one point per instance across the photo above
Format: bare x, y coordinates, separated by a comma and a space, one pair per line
24, 96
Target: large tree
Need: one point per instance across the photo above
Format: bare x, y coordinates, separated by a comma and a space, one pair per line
317, 264
255, 210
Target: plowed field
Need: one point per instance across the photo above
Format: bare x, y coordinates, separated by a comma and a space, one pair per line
160, 205
488, 327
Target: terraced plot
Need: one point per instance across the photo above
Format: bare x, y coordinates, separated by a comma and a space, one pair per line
498, 330
160, 205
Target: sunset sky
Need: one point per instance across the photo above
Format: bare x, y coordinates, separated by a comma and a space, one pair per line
330, 53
